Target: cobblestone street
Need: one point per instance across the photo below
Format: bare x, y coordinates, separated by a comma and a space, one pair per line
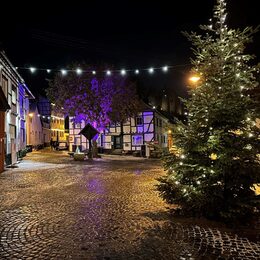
52, 207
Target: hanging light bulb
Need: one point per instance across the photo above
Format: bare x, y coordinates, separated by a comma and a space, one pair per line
32, 69
151, 70
79, 71
123, 72
165, 68
63, 72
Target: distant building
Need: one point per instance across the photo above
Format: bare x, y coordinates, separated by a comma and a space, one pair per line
17, 95
34, 127
44, 108
148, 127
53, 124
58, 133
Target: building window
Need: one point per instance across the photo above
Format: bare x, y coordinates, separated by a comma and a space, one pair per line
12, 129
22, 133
137, 140
78, 125
14, 95
5, 85
77, 140
139, 120
164, 139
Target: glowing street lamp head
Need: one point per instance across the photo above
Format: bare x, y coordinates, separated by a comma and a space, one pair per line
194, 79
94, 72
48, 70
136, 71
30, 114
108, 73
151, 70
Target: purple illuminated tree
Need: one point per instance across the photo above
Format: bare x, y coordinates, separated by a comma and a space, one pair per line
96, 99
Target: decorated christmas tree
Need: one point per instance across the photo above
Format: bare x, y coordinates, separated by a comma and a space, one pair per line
217, 167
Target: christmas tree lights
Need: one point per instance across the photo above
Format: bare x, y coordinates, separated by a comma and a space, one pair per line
220, 141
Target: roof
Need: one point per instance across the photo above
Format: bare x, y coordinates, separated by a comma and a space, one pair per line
15, 72
3, 101
146, 107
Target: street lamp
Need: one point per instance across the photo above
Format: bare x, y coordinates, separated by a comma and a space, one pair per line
194, 79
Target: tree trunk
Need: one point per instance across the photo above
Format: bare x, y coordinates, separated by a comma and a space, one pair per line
95, 149
90, 155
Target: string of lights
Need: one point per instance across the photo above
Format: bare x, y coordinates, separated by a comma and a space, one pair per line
45, 117
108, 72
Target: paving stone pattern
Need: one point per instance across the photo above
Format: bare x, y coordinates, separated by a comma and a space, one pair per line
54, 208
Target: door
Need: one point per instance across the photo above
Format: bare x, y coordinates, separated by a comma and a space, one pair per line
117, 142
13, 151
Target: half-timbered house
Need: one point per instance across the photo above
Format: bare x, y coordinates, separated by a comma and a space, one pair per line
149, 126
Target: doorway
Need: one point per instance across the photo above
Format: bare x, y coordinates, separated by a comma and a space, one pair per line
118, 142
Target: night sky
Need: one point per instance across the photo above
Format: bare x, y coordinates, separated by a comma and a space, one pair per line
127, 34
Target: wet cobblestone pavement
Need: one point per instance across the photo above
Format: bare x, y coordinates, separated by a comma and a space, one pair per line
54, 208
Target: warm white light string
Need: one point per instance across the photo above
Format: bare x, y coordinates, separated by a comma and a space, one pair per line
108, 72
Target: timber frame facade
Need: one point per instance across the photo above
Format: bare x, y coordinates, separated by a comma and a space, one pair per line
149, 126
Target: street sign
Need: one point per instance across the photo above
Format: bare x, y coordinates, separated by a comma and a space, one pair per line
89, 131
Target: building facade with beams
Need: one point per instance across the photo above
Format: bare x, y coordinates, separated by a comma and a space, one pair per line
3, 108
17, 95
148, 127
58, 133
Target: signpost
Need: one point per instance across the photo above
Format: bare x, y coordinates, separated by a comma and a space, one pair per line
89, 132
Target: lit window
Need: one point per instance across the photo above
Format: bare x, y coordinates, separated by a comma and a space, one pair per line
137, 139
